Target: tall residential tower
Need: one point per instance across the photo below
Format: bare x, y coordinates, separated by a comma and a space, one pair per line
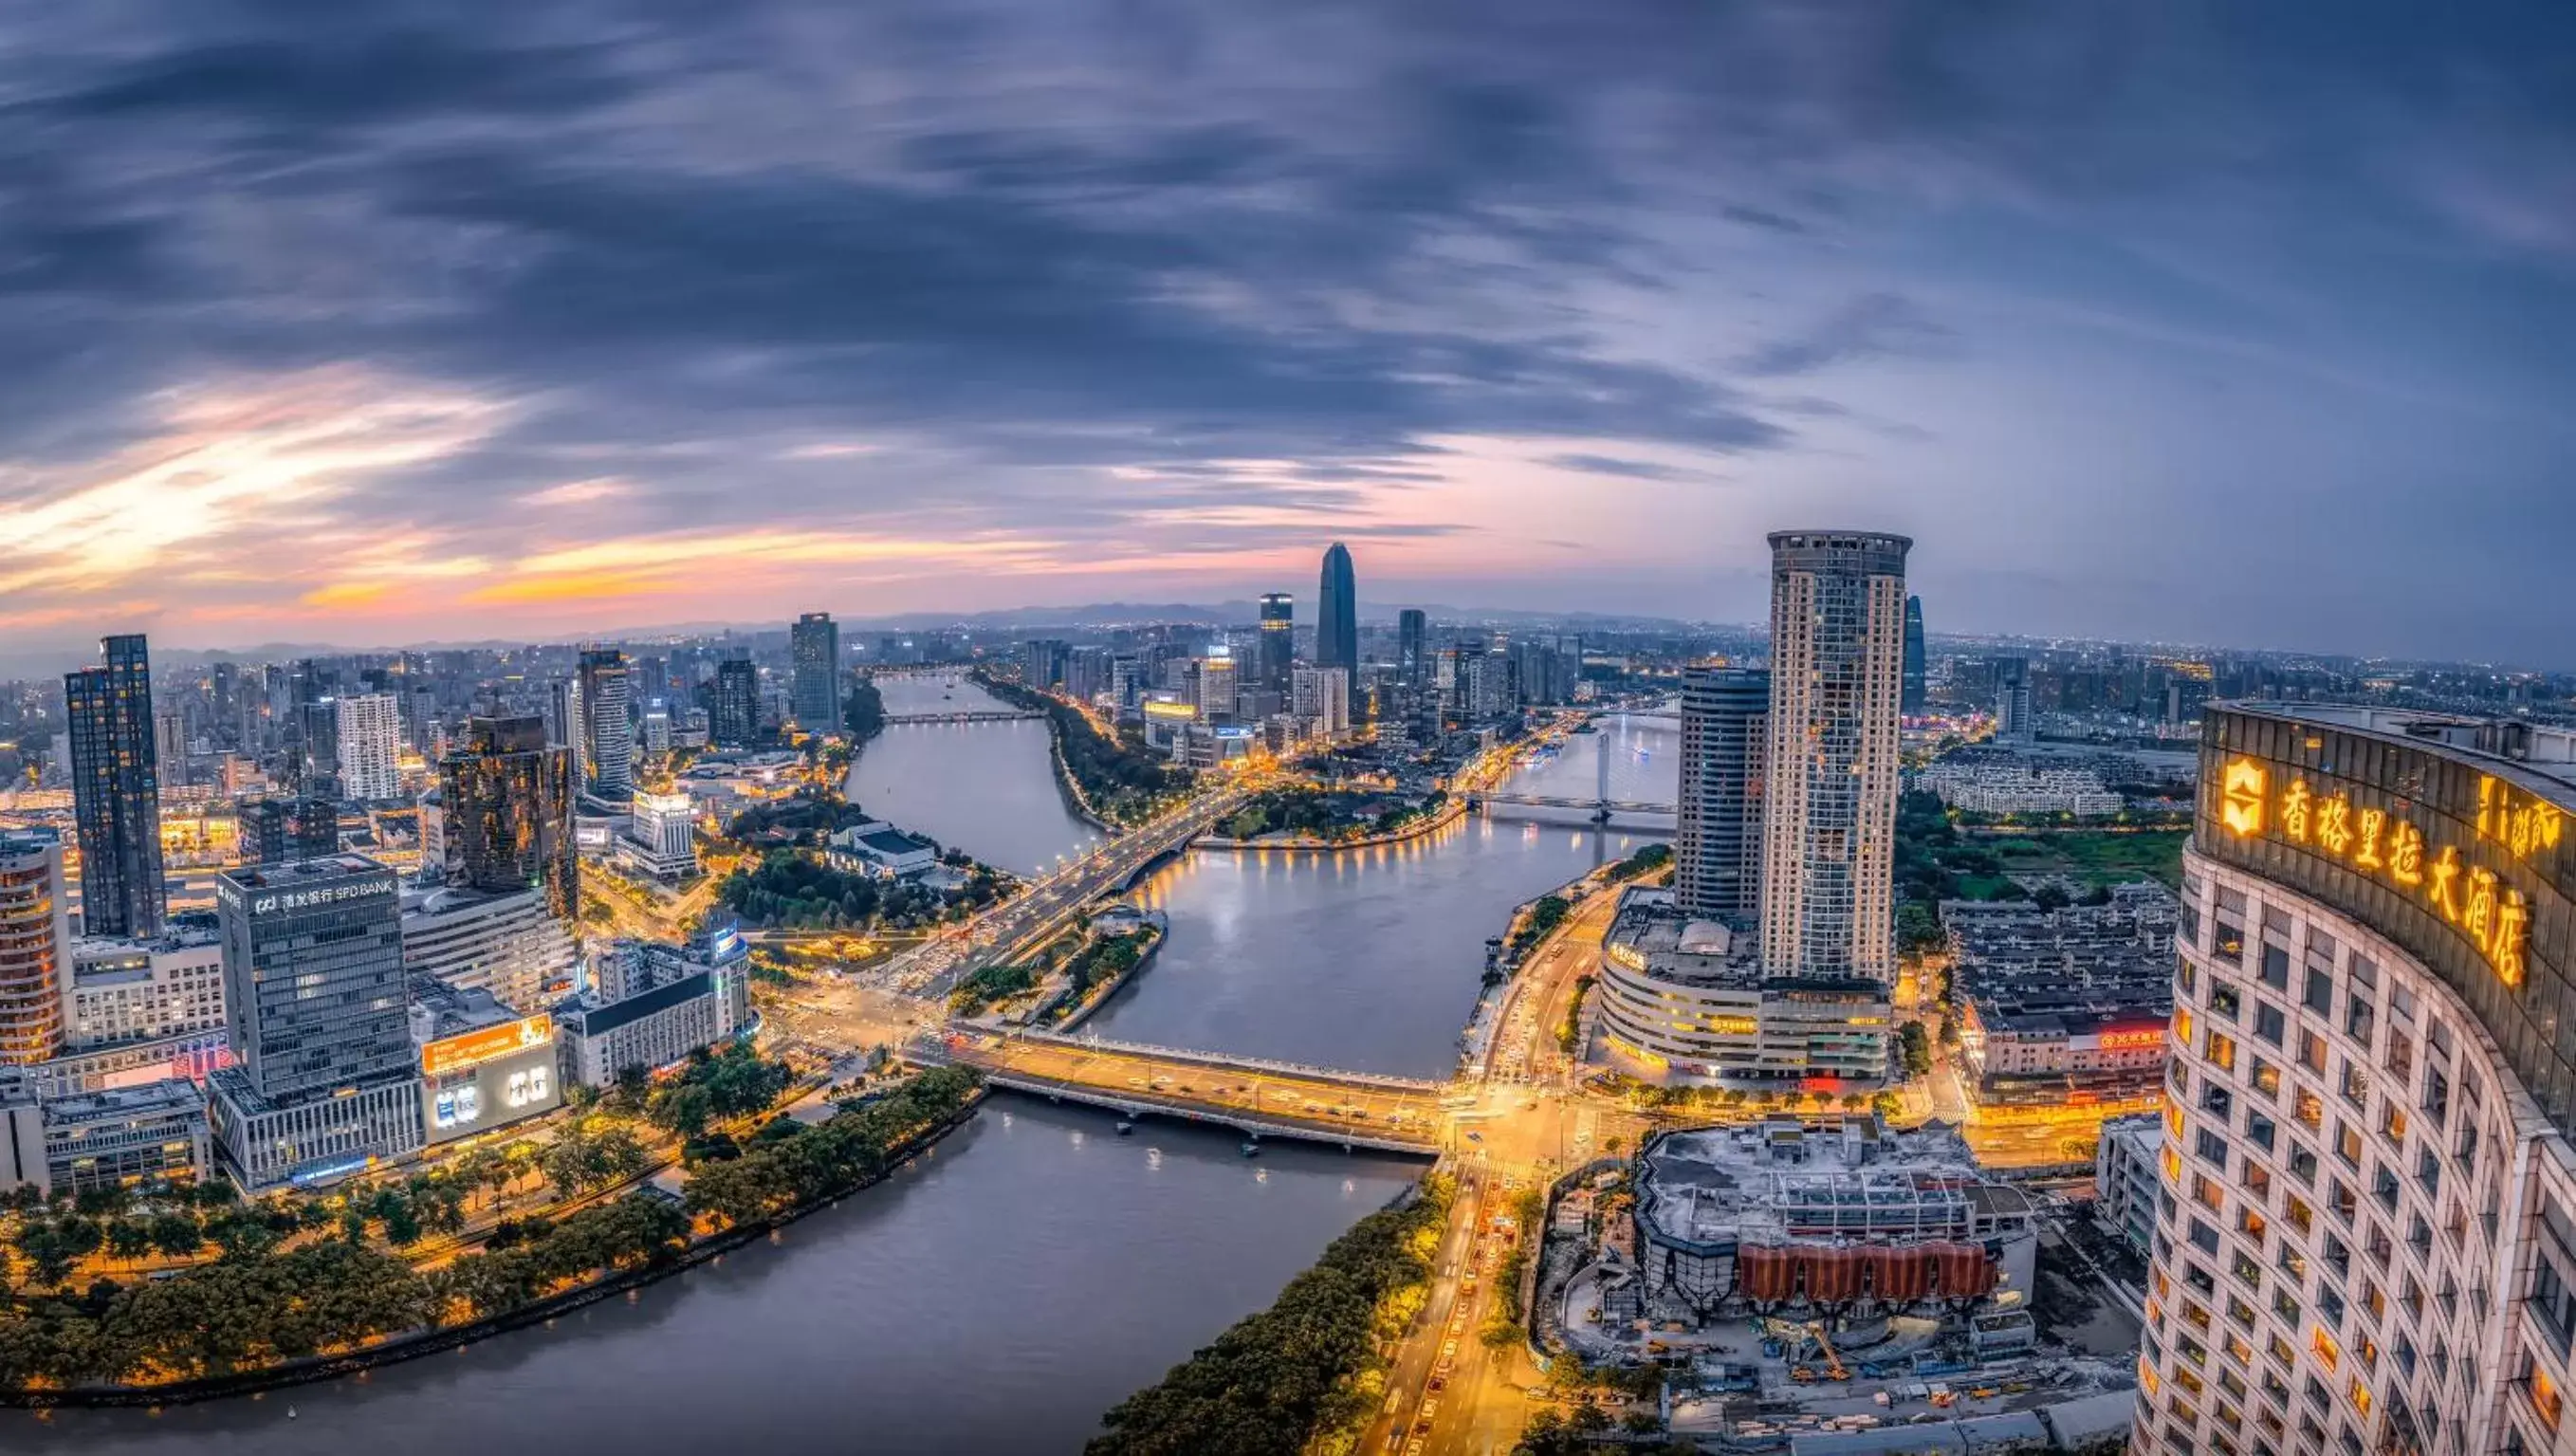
1829, 820
1717, 843
814, 647
607, 734
1278, 640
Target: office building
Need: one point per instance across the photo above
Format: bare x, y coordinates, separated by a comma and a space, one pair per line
35, 946
1829, 810
316, 768
1216, 684
607, 727
507, 813
814, 649
506, 943
1412, 645
733, 712
1278, 640
651, 1005
370, 740
661, 836
280, 830
327, 1082
120, 1137
116, 790
129, 992
2012, 701
2368, 1186
1910, 699
1337, 619
483, 1065
1717, 840
170, 742
1319, 700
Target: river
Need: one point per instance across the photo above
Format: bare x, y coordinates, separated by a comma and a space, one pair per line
1035, 1268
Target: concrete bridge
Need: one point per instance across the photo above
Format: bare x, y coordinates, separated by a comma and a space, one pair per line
1254, 1097
965, 715
1601, 810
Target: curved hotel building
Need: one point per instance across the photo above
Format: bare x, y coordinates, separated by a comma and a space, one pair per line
2365, 1236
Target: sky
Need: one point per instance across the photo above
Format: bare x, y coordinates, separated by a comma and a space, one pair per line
2159, 319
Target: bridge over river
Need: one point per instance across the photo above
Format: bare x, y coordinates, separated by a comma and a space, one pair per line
1256, 1098
965, 715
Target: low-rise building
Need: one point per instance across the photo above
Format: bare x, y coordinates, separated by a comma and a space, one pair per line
650, 1005
1686, 1001
483, 1065
2064, 1006
123, 1137
878, 848
2124, 1179
127, 991
1842, 1220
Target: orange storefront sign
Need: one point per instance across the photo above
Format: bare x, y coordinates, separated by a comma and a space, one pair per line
456, 1053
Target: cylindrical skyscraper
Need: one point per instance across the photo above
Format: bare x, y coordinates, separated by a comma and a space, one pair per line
1829, 822
35, 948
1337, 618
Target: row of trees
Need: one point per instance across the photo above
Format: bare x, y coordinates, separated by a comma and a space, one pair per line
1122, 781
1309, 1365
716, 1086
252, 1309
789, 1166
863, 711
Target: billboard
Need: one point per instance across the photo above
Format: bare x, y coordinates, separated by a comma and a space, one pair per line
472, 1048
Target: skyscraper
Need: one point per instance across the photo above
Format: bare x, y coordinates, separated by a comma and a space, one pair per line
733, 716
1911, 702
1829, 817
1278, 640
607, 735
1412, 642
35, 947
370, 746
1337, 618
1717, 843
116, 791
508, 799
814, 645
327, 1077
2012, 700
280, 831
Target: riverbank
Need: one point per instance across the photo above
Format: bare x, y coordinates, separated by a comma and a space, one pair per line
419, 1343
1063, 720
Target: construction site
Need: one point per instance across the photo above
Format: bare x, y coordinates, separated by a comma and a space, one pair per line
1828, 1286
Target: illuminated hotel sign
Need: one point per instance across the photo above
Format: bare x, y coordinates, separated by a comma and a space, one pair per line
2129, 1041
473, 1048
2258, 800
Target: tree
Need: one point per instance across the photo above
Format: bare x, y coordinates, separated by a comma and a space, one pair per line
2050, 896
1914, 1049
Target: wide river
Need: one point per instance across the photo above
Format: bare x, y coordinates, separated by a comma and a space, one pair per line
1036, 1268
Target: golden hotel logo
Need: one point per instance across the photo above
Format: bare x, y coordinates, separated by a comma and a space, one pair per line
2240, 797
2472, 898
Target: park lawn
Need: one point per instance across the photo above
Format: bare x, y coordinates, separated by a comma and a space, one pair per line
2096, 856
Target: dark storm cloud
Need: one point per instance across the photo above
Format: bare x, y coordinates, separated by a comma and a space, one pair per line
1007, 244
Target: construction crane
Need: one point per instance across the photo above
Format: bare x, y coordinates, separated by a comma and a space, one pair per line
1811, 1330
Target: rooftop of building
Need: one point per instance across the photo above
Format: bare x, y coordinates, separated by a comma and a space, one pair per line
441, 1010
1710, 1185
301, 872
149, 1099
2539, 758
431, 902
119, 947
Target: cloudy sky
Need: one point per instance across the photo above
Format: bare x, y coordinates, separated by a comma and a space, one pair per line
372, 323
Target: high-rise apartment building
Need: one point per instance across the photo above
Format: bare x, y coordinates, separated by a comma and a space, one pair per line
35, 947
370, 741
116, 791
1278, 640
607, 727
327, 1080
814, 647
1829, 812
507, 800
1216, 683
1717, 842
733, 713
1337, 618
1911, 700
2364, 1232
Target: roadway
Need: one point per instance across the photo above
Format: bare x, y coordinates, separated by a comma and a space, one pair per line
1315, 1104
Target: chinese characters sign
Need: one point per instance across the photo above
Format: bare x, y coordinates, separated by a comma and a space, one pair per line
2496, 918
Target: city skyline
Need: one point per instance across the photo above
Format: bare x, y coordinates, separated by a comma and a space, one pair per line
553, 335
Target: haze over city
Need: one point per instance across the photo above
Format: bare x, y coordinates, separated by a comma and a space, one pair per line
367, 325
